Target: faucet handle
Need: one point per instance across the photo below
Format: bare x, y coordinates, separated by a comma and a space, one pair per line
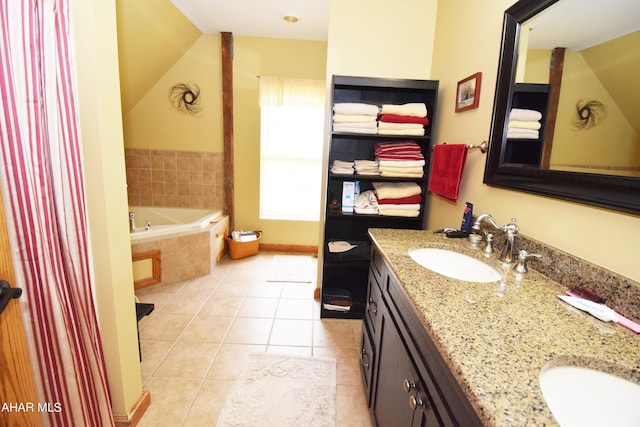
521, 266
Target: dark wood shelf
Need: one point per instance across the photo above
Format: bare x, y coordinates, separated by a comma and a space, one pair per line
352, 275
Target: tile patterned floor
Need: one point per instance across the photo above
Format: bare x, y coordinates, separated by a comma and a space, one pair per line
197, 340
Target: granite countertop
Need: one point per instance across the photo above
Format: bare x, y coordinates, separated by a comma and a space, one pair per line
496, 337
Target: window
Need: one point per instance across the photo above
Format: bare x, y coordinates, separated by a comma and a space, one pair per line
291, 136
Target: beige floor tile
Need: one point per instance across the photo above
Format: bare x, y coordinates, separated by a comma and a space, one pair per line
187, 360
231, 360
207, 328
208, 403
298, 290
295, 309
247, 330
164, 326
292, 350
222, 305
153, 352
351, 407
291, 332
185, 302
238, 288
258, 307
264, 289
171, 399
334, 333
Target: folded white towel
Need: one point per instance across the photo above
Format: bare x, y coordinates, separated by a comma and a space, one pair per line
523, 133
521, 124
399, 212
396, 190
399, 126
355, 108
366, 200
406, 207
411, 132
364, 125
401, 163
353, 118
346, 128
525, 115
414, 109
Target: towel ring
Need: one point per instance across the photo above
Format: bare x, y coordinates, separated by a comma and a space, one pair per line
483, 146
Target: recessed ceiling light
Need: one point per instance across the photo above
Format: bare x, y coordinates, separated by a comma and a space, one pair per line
290, 18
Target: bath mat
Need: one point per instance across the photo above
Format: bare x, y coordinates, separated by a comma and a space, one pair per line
291, 268
282, 390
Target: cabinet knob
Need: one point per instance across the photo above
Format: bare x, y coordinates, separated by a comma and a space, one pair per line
372, 306
408, 385
364, 354
415, 402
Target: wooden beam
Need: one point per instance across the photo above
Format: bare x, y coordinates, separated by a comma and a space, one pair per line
555, 81
227, 124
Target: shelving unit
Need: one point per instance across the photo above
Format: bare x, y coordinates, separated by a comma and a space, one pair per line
338, 270
528, 152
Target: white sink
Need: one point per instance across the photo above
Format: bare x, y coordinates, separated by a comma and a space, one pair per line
455, 265
585, 397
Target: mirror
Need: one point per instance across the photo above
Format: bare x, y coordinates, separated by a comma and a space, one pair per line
569, 152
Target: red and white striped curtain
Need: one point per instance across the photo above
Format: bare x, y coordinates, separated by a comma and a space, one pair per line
42, 183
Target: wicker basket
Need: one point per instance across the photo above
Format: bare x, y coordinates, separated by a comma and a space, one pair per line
238, 250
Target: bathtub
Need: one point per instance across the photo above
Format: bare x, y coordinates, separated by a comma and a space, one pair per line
170, 221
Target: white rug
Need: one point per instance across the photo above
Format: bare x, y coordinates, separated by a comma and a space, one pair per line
291, 268
283, 390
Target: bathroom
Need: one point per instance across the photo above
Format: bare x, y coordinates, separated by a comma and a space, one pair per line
458, 38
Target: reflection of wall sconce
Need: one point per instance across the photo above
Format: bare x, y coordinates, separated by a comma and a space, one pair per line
185, 97
589, 113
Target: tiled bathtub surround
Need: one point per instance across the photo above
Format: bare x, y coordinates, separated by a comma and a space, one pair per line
621, 293
169, 178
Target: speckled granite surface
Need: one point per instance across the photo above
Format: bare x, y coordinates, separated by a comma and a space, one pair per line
496, 337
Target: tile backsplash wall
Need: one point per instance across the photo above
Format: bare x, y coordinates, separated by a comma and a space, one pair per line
184, 179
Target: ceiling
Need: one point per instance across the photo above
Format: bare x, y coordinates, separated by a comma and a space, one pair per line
259, 18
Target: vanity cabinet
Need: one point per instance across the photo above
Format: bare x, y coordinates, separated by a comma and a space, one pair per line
528, 152
343, 275
407, 382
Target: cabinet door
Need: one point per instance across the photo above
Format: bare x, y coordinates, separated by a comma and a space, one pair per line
396, 379
373, 310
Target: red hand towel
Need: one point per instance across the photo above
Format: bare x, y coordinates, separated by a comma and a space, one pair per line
446, 169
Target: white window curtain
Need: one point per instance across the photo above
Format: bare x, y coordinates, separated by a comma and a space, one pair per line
291, 136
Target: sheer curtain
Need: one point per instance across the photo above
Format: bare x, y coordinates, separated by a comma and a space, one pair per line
291, 141
42, 183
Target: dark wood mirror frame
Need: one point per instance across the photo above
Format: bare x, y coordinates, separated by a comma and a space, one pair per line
606, 191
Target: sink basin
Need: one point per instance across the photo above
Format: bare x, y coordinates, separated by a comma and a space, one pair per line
585, 397
455, 265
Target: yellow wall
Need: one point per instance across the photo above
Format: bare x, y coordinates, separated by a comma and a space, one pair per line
255, 56
597, 235
153, 123
101, 132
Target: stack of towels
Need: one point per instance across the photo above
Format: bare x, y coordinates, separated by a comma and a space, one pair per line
404, 119
342, 167
400, 159
366, 167
398, 198
524, 124
355, 117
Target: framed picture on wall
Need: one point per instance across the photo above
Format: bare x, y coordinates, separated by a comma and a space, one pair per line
468, 93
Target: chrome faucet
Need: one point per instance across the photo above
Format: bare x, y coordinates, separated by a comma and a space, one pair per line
511, 229
132, 222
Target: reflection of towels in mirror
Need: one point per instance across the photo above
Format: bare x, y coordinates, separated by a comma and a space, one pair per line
515, 133
525, 115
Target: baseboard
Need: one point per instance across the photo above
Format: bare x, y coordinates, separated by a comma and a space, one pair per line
272, 247
135, 414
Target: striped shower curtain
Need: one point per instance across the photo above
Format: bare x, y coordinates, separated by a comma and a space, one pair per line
42, 182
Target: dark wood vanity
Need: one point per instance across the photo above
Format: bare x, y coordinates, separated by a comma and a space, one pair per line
406, 380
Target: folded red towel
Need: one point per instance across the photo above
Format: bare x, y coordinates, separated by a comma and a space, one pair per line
401, 201
446, 170
394, 118
397, 147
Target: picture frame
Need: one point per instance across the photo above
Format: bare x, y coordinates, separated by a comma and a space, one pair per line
468, 93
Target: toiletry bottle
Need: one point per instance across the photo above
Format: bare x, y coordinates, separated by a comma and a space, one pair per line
467, 218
